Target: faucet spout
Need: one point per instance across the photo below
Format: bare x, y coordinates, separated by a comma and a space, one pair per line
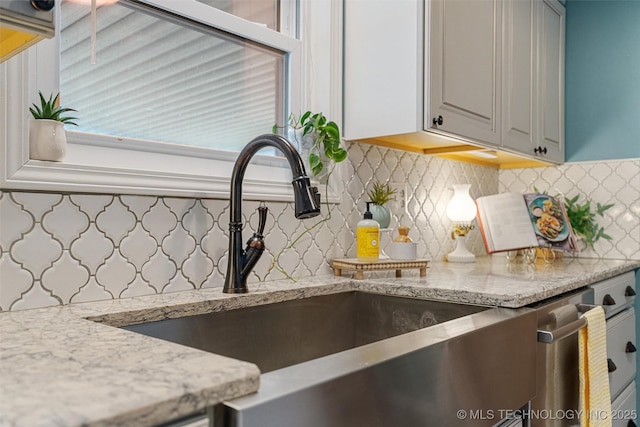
307, 205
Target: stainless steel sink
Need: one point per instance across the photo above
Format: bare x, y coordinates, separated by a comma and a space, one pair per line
359, 358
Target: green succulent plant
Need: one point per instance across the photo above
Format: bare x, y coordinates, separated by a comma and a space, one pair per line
48, 109
326, 144
381, 193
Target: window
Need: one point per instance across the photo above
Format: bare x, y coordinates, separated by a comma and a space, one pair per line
158, 78
158, 115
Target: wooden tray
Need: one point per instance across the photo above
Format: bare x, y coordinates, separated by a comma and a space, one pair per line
383, 264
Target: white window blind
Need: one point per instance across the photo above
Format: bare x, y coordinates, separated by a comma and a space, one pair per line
162, 78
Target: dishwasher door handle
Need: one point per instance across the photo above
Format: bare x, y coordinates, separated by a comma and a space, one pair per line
550, 337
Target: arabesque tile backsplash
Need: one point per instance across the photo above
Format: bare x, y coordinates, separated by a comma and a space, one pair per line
62, 248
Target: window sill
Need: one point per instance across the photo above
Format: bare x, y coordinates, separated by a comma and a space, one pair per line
98, 167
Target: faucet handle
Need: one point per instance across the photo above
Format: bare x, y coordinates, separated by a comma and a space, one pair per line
255, 244
262, 218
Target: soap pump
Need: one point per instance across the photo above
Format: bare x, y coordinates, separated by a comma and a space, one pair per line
368, 238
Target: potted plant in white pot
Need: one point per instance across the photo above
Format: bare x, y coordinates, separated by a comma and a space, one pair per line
319, 145
47, 139
380, 195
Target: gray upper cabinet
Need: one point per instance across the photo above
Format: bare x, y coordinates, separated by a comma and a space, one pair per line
464, 72
551, 25
519, 95
492, 72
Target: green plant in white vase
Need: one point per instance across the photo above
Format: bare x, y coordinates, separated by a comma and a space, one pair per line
320, 147
380, 195
318, 141
47, 138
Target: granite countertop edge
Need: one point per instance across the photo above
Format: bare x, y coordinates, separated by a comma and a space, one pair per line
71, 365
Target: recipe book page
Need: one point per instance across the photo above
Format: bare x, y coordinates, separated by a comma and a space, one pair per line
505, 223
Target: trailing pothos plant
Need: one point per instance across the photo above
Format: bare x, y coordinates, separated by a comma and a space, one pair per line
326, 144
326, 150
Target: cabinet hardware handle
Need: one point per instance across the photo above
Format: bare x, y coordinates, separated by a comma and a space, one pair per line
611, 366
540, 150
43, 5
608, 300
630, 348
438, 121
629, 292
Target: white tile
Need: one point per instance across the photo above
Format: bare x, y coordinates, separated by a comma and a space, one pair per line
65, 278
178, 283
139, 205
179, 207
197, 268
91, 204
178, 245
14, 280
138, 247
116, 274
37, 203
36, 251
34, 298
14, 221
197, 221
215, 244
116, 221
92, 249
92, 291
158, 271
159, 221
65, 222
139, 287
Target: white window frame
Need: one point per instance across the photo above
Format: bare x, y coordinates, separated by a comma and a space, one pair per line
92, 164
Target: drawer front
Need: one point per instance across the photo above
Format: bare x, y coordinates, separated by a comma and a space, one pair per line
623, 409
621, 354
616, 293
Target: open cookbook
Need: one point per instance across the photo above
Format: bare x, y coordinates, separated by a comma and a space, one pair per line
511, 221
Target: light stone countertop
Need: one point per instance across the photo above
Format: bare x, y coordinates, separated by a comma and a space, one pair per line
69, 366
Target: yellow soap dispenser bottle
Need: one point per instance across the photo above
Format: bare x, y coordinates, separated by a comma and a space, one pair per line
368, 238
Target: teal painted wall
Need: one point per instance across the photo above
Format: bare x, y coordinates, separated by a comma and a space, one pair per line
602, 80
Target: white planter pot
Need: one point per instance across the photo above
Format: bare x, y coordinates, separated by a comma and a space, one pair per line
47, 140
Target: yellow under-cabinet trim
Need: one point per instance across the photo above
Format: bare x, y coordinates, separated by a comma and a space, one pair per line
450, 148
525, 163
13, 42
394, 145
469, 159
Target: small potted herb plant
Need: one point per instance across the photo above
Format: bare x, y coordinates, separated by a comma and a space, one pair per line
47, 139
380, 195
582, 217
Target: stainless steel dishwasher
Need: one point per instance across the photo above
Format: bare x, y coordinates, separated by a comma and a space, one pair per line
556, 402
